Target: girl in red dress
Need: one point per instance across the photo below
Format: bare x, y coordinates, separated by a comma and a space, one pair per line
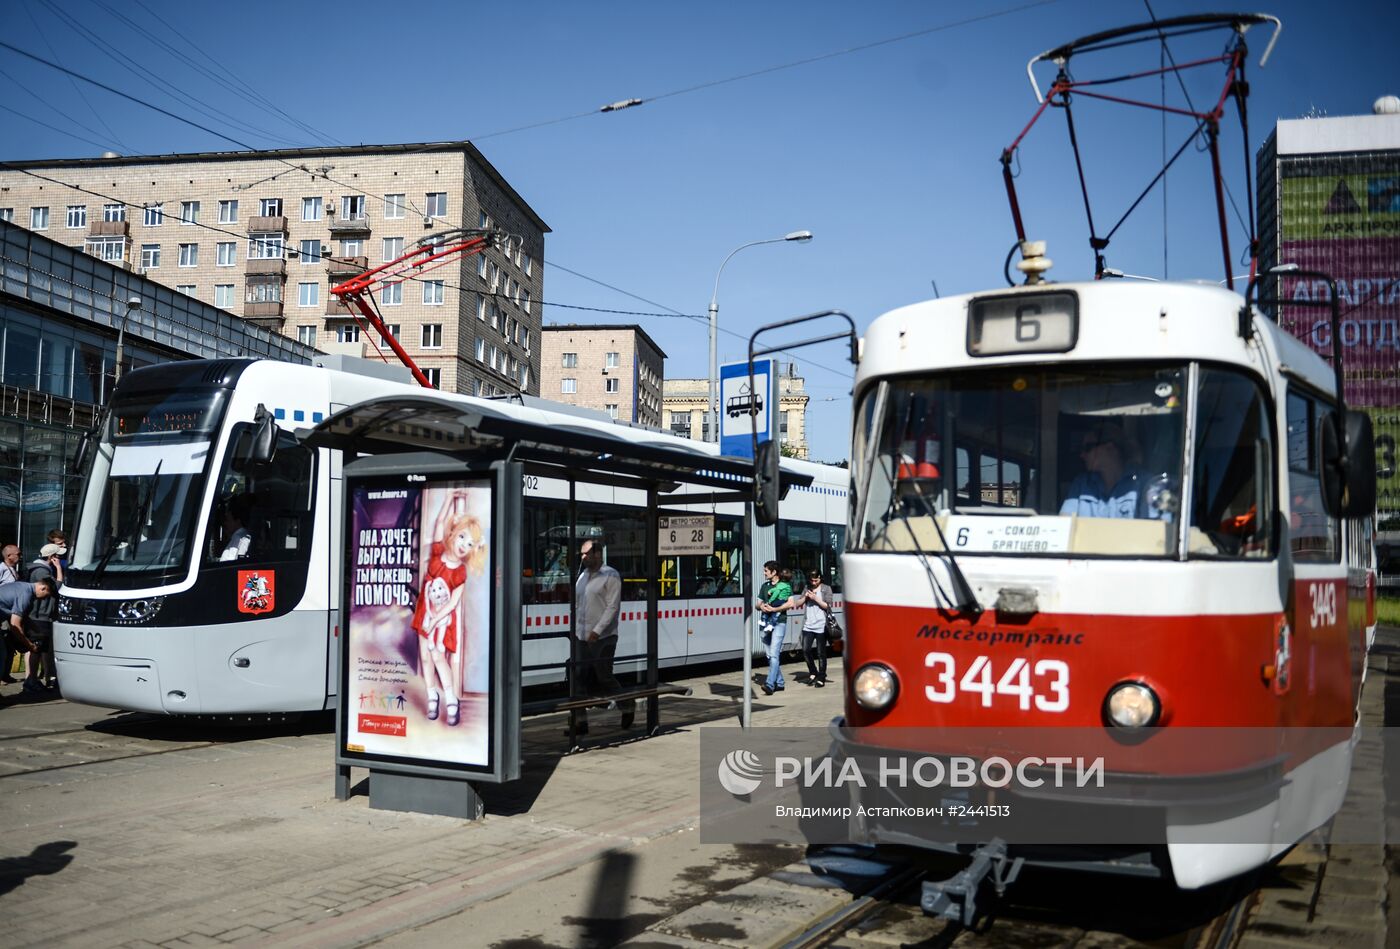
459, 548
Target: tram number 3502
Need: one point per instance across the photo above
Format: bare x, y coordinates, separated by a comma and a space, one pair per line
77, 639
1044, 684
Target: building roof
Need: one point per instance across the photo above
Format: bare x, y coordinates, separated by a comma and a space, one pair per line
1347, 133
289, 153
589, 327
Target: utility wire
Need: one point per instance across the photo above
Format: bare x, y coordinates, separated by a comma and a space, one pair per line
55, 128
76, 88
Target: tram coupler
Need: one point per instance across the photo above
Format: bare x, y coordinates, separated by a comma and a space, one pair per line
956, 897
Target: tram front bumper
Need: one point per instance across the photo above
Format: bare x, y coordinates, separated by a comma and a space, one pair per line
129, 684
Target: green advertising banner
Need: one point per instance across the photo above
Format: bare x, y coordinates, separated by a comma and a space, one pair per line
1331, 206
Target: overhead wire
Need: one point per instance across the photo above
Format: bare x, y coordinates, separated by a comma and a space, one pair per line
53, 128
76, 88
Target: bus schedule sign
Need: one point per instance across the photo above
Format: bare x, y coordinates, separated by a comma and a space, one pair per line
686, 534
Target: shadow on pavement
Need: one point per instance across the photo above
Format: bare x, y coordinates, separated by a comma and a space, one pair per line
222, 729
43, 860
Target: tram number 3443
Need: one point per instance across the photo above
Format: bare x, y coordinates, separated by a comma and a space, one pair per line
1044, 684
77, 639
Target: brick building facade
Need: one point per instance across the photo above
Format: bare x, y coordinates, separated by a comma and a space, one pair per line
264, 235
617, 369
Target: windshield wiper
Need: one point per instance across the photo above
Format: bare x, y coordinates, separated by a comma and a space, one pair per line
133, 525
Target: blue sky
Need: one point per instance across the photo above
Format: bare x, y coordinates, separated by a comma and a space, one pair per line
888, 154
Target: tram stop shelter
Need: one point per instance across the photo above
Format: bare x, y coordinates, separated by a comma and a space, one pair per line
433, 486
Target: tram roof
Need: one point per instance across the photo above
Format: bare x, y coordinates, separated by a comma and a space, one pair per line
462, 425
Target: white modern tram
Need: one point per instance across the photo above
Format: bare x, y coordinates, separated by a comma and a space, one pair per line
159, 615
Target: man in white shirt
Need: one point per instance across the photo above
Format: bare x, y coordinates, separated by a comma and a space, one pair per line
597, 601
9, 564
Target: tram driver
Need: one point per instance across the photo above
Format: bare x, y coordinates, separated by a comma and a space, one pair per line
1112, 485
233, 519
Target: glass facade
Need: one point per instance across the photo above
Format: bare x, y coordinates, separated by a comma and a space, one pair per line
59, 318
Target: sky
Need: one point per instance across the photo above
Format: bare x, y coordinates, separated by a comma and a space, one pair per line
880, 132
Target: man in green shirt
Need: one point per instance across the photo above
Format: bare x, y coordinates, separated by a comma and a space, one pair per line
772, 606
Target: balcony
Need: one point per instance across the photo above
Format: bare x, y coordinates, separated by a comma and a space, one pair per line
109, 229
267, 265
264, 311
336, 307
346, 266
356, 224
268, 224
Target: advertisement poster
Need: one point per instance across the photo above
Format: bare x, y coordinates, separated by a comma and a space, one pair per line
418, 635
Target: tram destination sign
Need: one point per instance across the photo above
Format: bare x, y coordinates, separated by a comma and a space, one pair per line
687, 534
1008, 535
1023, 323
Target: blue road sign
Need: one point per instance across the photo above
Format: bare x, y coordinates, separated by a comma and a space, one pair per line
742, 410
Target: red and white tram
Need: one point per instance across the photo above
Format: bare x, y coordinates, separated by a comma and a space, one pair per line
1213, 573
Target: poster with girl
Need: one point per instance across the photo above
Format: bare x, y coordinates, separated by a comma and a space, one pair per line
418, 635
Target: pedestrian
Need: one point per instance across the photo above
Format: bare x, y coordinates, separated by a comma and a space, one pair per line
39, 620
597, 601
817, 598
60, 539
9, 564
774, 598
15, 601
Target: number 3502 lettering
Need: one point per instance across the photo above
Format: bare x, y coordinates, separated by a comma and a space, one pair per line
80, 640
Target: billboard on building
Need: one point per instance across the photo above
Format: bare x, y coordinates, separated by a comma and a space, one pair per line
1339, 213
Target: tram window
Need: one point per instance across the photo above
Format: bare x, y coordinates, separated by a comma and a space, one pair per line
803, 547
1232, 497
547, 556
624, 545
1312, 533
264, 512
717, 574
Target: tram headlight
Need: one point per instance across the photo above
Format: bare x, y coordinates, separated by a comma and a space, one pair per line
1132, 705
132, 612
67, 609
875, 686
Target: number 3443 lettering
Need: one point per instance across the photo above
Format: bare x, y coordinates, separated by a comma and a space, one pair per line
1044, 684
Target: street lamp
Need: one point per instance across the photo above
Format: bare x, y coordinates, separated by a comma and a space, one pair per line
800, 237
133, 303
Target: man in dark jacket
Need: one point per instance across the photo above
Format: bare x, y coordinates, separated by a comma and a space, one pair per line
38, 622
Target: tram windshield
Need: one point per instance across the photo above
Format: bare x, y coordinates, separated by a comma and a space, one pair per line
141, 504
1065, 461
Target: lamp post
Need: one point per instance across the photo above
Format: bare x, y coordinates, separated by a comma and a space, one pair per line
800, 237
133, 303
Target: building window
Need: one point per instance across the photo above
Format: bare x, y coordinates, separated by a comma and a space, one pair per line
352, 207
189, 255
38, 219
311, 209
570, 361
270, 207
392, 295
481, 309
7, 215
525, 299
524, 377
495, 357
680, 424
347, 333
111, 249
480, 349
354, 247
568, 386
155, 215
189, 212
264, 246
495, 316
150, 256
432, 336
432, 292
306, 335
525, 341
310, 252
308, 294
223, 294
114, 213
393, 329
610, 360
263, 288
483, 220
783, 426
529, 265
393, 248
434, 377
393, 206
612, 410
77, 216
481, 266
186, 288
227, 253
437, 204
613, 385
228, 212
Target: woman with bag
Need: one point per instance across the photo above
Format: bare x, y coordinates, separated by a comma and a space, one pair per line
817, 598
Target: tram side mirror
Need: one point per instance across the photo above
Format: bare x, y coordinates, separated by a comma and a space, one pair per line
261, 446
765, 484
1348, 481
80, 457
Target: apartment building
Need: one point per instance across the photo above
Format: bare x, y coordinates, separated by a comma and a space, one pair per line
686, 404
617, 369
265, 235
